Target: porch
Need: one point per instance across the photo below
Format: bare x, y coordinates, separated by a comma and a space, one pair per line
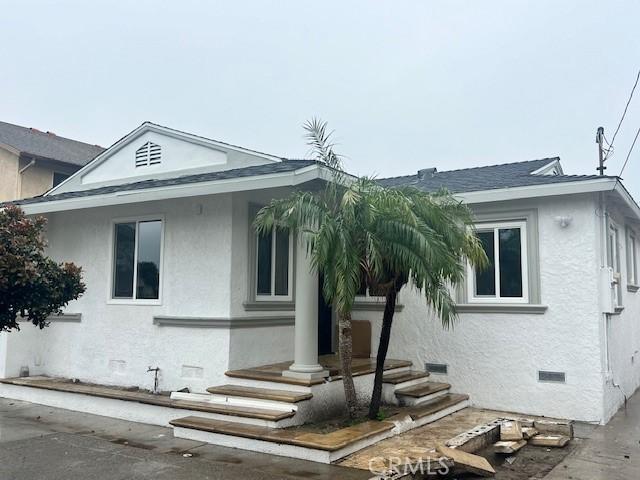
329, 363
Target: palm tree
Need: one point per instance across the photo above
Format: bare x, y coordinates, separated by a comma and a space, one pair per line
330, 224
422, 239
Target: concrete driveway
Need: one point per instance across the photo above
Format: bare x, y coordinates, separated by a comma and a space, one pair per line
611, 452
38, 442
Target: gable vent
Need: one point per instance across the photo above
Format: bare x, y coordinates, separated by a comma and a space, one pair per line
148, 154
436, 368
557, 377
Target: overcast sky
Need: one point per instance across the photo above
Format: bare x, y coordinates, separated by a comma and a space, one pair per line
405, 84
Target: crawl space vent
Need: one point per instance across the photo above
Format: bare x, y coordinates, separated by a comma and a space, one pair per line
436, 368
148, 154
557, 377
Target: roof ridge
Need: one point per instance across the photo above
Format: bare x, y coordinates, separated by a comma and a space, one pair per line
550, 159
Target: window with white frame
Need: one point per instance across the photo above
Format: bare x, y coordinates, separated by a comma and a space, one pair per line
137, 259
613, 261
274, 265
505, 279
632, 257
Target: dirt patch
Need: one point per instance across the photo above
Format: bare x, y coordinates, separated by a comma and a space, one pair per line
529, 463
333, 424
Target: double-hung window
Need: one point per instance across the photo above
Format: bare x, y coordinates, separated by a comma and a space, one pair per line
505, 278
274, 265
137, 255
632, 258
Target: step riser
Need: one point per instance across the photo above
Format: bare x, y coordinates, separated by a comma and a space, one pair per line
273, 448
410, 383
407, 426
247, 382
389, 394
254, 403
406, 401
442, 413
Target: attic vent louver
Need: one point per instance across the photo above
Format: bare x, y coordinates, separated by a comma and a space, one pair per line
148, 154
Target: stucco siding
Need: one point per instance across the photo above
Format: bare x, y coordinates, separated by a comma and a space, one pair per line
496, 357
114, 344
35, 180
8, 175
623, 334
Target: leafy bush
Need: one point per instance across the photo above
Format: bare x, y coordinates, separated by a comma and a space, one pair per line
32, 286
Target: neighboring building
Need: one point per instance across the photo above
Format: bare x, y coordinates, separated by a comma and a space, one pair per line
32, 162
177, 279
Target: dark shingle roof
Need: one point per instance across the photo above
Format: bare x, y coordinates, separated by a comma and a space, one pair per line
266, 169
47, 145
492, 177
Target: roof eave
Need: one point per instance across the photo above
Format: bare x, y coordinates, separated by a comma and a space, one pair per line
256, 182
545, 190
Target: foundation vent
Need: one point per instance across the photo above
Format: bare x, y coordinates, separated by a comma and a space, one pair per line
148, 154
436, 368
556, 377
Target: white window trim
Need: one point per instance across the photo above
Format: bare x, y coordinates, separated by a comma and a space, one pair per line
134, 301
524, 259
273, 297
613, 260
632, 257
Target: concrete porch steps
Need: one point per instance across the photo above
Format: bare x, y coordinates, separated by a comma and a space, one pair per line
403, 377
423, 389
319, 441
296, 443
309, 445
444, 403
165, 407
257, 393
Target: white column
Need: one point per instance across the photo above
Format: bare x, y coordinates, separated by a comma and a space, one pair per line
305, 364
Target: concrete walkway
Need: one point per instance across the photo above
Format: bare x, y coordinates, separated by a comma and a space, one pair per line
611, 452
38, 442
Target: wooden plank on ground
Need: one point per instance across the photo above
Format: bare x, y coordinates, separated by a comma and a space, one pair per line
467, 461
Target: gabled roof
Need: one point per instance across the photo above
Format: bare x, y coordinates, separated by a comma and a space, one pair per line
47, 145
493, 177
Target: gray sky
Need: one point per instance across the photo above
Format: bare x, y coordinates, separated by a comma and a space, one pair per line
405, 84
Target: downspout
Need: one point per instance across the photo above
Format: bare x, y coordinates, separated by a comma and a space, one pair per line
27, 166
604, 227
603, 264
19, 177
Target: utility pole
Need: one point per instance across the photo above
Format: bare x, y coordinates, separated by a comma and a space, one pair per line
599, 140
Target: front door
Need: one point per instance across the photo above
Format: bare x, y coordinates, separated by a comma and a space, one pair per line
325, 325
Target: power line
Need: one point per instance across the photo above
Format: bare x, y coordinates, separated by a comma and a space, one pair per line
613, 139
629, 154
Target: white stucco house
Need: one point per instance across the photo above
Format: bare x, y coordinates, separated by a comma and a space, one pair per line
176, 279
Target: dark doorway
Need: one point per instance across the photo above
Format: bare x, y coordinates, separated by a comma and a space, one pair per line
325, 327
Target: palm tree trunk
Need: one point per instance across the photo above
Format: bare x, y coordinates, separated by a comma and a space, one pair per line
383, 347
346, 351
